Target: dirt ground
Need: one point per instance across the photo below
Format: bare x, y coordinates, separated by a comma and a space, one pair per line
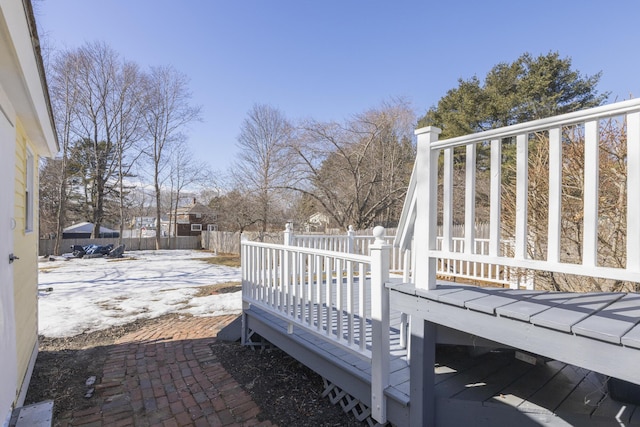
288, 393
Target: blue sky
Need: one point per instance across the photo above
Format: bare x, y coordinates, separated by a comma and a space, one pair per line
330, 59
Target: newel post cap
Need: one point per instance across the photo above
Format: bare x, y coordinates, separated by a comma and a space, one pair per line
378, 233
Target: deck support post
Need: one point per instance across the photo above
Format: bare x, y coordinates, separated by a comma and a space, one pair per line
380, 357
422, 374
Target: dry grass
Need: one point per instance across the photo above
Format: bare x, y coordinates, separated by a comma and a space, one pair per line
220, 288
228, 260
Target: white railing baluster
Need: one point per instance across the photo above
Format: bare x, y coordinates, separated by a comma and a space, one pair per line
326, 303
555, 195
495, 197
522, 191
262, 275
318, 292
470, 200
633, 184
306, 304
269, 276
447, 200
351, 305
362, 306
590, 193
339, 299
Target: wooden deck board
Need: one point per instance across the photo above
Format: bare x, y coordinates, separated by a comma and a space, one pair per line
441, 291
632, 338
491, 302
612, 322
524, 309
464, 296
574, 309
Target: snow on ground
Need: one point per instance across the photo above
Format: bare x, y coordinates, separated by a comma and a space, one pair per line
84, 295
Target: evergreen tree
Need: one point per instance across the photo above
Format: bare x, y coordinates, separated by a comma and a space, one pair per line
527, 89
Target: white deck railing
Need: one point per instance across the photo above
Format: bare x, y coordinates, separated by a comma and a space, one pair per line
349, 243
420, 211
338, 296
318, 289
399, 258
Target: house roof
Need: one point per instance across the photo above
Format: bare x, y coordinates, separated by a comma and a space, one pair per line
195, 208
86, 227
22, 75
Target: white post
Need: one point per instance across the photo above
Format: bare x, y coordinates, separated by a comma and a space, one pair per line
288, 234
406, 278
244, 259
350, 239
380, 355
422, 346
286, 276
425, 223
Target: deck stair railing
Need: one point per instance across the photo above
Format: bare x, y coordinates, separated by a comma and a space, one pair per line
420, 213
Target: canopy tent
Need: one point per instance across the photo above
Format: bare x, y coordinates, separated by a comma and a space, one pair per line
83, 230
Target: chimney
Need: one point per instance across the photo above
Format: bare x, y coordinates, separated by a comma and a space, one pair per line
194, 200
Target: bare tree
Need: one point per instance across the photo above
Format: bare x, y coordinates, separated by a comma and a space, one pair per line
357, 171
93, 124
97, 104
64, 90
262, 169
168, 112
127, 130
236, 211
185, 173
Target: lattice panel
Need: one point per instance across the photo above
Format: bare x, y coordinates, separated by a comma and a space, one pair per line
349, 404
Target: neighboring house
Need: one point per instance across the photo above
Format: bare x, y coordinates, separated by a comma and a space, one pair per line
191, 220
317, 222
26, 133
83, 230
148, 222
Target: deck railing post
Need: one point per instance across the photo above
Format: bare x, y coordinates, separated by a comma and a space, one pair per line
286, 277
350, 239
244, 273
288, 234
422, 345
380, 357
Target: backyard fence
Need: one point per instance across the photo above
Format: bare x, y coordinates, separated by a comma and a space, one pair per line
131, 243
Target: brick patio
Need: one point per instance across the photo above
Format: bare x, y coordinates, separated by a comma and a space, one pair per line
167, 376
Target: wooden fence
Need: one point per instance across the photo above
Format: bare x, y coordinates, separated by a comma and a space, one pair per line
131, 243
